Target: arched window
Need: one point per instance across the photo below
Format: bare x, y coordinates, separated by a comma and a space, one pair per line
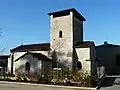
60, 34
27, 66
79, 65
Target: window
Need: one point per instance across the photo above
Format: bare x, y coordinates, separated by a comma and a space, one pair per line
27, 66
60, 34
79, 65
118, 60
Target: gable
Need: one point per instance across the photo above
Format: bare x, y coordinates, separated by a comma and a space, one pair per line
18, 55
39, 56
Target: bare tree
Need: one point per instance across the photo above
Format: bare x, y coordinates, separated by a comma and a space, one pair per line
3, 50
57, 51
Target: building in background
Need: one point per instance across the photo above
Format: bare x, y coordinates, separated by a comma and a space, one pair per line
108, 55
4, 62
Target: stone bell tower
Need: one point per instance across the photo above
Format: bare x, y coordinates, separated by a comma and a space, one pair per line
66, 31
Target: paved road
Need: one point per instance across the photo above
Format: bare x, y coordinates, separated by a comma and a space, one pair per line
115, 87
4, 86
111, 83
13, 86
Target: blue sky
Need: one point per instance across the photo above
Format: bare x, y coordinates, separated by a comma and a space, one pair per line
26, 21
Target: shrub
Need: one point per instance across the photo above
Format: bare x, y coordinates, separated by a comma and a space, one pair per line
83, 78
57, 76
31, 74
77, 77
44, 79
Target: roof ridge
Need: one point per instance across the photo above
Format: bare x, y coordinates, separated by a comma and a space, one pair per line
34, 44
32, 47
108, 45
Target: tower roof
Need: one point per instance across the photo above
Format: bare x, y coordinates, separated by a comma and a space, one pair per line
66, 12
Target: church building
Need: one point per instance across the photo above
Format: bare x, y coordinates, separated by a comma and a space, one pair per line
66, 49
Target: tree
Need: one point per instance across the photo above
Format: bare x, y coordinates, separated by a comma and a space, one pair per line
58, 51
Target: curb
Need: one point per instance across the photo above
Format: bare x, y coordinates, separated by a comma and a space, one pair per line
101, 81
44, 85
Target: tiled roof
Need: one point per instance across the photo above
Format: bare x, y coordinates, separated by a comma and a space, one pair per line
32, 47
4, 56
84, 44
3, 60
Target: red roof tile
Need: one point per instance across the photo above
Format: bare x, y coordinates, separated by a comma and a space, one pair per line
32, 47
84, 44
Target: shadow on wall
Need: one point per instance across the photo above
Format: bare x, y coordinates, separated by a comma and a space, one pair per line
58, 60
33, 64
30, 64
20, 70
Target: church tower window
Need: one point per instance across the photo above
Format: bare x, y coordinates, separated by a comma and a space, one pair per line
60, 34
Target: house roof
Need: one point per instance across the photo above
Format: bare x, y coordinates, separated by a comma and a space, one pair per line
67, 12
32, 47
3, 60
84, 44
40, 56
4, 56
106, 44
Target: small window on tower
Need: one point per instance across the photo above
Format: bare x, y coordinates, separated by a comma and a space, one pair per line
60, 34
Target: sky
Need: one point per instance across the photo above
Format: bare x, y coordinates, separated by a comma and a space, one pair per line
27, 22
